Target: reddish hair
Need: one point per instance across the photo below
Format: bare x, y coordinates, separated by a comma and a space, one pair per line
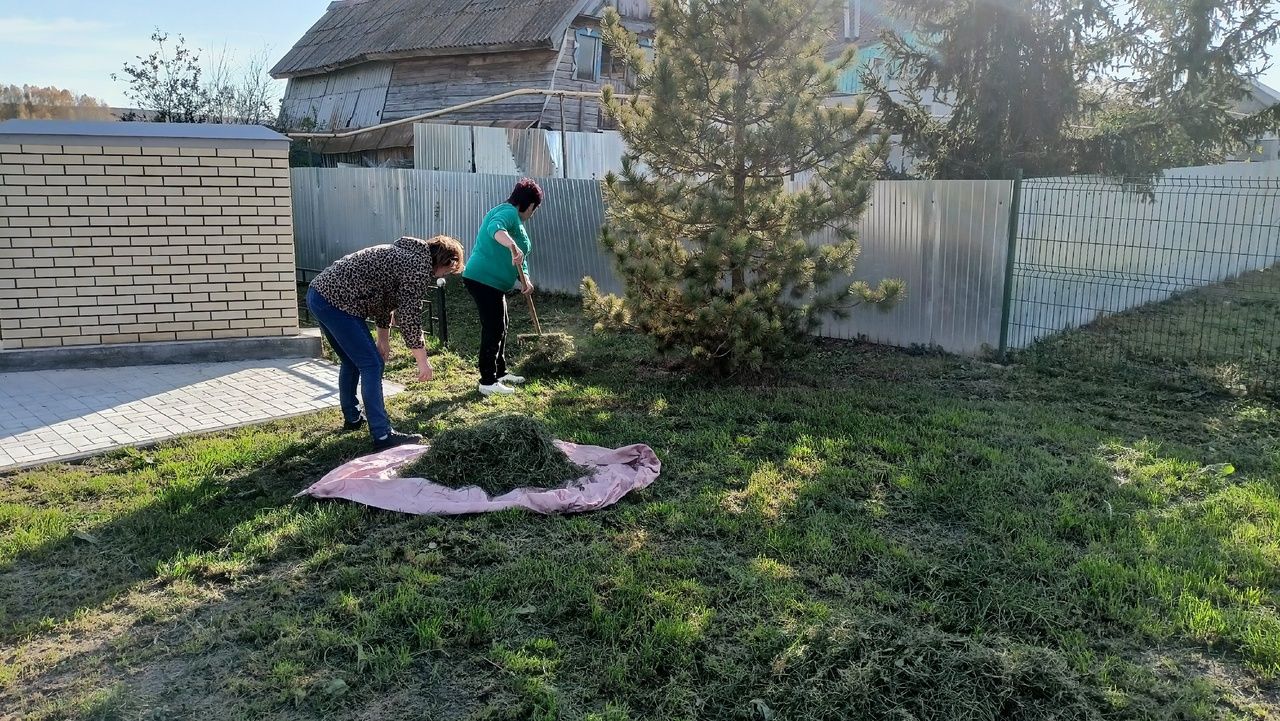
526, 194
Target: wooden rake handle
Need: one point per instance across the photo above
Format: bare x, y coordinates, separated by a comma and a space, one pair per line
533, 312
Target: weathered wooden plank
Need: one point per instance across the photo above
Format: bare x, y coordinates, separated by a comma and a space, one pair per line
428, 84
495, 67
638, 9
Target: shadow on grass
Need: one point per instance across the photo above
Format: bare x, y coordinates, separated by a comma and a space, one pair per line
201, 500
1222, 338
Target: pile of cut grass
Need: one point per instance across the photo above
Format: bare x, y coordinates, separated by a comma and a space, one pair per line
550, 354
497, 455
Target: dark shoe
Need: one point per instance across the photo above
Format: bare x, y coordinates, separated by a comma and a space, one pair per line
396, 439
354, 425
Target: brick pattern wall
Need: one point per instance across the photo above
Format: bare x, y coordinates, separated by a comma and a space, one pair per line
135, 244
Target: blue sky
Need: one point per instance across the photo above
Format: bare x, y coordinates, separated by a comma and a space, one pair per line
77, 44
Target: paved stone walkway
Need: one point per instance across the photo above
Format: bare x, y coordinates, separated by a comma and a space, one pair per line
67, 414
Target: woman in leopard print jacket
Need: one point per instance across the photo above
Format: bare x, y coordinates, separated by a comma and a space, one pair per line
384, 283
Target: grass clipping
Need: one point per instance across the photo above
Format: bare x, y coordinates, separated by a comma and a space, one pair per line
498, 455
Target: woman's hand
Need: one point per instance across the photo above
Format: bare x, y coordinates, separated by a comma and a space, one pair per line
528, 286
384, 344
505, 240
425, 372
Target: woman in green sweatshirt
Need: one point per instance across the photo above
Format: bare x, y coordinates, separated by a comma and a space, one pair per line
497, 264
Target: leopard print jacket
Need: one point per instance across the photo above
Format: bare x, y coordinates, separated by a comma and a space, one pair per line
375, 282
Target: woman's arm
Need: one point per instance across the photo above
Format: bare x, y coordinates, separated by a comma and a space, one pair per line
384, 343
505, 240
425, 371
410, 323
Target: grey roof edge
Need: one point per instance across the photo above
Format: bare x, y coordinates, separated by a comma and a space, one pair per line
568, 19
1261, 88
63, 132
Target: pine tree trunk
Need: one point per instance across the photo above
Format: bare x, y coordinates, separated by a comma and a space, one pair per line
739, 274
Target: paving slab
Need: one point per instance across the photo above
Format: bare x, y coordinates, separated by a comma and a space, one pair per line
60, 415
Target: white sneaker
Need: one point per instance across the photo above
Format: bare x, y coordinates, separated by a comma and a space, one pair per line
497, 389
511, 379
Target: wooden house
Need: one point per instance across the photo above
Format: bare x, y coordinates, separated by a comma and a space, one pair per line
367, 62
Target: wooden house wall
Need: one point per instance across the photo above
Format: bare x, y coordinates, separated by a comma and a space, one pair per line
413, 87
639, 9
347, 98
420, 86
580, 114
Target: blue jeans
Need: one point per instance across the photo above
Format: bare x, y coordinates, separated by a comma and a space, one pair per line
361, 363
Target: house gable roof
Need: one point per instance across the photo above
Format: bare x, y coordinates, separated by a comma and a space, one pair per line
357, 31
1265, 93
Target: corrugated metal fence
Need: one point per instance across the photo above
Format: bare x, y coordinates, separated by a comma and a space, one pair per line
508, 151
949, 240
340, 210
946, 239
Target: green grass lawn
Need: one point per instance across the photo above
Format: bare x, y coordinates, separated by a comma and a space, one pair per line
875, 535
1226, 335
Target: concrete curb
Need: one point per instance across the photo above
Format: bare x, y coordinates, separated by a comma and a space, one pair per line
303, 345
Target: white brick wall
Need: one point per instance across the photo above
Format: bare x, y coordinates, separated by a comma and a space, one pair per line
123, 244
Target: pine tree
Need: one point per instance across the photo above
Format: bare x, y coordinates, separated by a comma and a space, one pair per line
1012, 75
709, 242
1189, 63
1057, 87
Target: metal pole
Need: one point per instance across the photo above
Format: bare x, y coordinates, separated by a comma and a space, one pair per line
564, 142
453, 109
444, 313
1011, 255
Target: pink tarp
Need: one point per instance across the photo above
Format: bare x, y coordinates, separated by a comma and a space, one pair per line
372, 481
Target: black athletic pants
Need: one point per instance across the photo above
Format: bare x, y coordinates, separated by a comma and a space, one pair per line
492, 306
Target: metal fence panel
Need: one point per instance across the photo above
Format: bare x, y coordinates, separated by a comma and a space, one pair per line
1183, 276
947, 240
442, 147
502, 151
340, 210
1092, 247
594, 155
1087, 248
493, 152
532, 149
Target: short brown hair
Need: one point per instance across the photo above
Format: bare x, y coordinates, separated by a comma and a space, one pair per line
446, 252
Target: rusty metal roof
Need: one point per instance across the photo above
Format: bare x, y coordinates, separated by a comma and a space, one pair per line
356, 31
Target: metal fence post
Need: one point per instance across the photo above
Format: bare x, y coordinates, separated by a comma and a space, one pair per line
444, 313
1011, 254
